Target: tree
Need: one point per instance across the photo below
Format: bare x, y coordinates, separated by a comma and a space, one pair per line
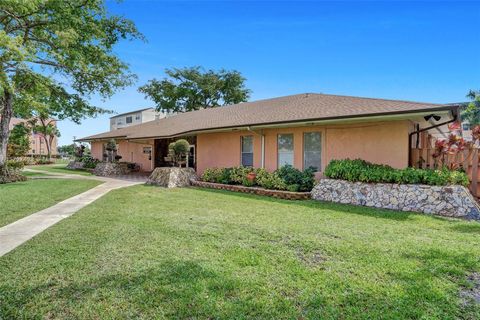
19, 141
178, 151
193, 88
54, 55
47, 130
66, 150
471, 111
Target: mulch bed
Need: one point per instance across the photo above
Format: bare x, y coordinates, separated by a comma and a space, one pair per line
280, 194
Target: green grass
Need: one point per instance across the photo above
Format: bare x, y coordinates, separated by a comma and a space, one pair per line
59, 168
146, 252
21, 199
35, 174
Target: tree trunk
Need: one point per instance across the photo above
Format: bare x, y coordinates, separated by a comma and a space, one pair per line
6, 116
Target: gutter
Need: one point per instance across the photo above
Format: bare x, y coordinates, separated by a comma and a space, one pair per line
262, 163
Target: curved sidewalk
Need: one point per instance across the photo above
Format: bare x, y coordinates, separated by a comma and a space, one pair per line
20, 231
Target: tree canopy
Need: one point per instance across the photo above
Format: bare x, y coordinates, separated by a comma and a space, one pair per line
55, 54
471, 112
194, 88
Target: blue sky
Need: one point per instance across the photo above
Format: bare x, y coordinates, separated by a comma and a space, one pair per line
421, 51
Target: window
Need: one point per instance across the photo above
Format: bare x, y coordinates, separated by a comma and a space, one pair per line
119, 122
129, 120
137, 117
247, 151
312, 150
285, 149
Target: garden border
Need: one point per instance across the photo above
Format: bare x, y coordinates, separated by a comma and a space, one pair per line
280, 194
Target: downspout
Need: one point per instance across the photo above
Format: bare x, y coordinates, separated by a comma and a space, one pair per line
418, 131
262, 163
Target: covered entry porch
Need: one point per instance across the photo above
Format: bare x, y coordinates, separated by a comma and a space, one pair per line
160, 152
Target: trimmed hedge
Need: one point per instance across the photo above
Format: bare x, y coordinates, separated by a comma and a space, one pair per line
286, 178
362, 171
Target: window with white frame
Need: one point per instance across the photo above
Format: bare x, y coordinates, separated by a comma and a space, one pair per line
312, 150
247, 151
285, 149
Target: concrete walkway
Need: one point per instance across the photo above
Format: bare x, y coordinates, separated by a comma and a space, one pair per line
20, 231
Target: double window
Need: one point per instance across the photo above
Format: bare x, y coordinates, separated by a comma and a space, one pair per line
285, 149
312, 150
247, 151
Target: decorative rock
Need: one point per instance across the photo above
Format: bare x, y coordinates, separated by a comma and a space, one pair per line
75, 165
106, 169
448, 201
172, 177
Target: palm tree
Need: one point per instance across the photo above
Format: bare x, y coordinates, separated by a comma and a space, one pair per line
47, 129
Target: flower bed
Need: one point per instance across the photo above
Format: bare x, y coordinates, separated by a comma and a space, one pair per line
286, 178
289, 195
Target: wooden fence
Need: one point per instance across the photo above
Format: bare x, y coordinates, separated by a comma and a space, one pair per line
468, 160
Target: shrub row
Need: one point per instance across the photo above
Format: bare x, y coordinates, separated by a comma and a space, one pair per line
285, 178
362, 171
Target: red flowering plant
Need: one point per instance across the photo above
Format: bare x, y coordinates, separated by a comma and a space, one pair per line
454, 151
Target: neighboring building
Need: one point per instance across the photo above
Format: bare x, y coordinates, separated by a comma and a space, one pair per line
134, 117
37, 142
302, 130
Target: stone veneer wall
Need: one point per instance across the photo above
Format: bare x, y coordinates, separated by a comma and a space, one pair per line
260, 191
449, 201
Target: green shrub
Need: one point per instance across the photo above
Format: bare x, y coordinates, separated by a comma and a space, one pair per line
285, 178
269, 180
89, 162
15, 165
297, 180
362, 171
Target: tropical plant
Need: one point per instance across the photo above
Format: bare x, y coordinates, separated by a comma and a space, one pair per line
47, 130
111, 148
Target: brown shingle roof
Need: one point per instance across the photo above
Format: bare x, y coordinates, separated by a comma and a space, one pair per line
294, 108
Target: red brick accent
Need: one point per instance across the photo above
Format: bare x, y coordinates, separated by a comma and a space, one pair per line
259, 191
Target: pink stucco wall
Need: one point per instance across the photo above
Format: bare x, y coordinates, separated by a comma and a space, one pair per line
380, 142
130, 152
385, 143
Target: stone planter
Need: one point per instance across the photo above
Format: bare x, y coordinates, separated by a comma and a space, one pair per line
448, 201
106, 169
280, 194
75, 165
172, 177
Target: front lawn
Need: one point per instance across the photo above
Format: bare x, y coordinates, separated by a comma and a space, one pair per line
59, 168
146, 252
21, 199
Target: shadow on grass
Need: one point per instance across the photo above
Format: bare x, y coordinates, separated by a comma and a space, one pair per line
472, 227
179, 289
313, 204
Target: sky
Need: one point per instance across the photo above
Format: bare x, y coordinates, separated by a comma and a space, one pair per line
422, 51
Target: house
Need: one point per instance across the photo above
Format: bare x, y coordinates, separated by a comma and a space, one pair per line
37, 142
134, 117
302, 130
